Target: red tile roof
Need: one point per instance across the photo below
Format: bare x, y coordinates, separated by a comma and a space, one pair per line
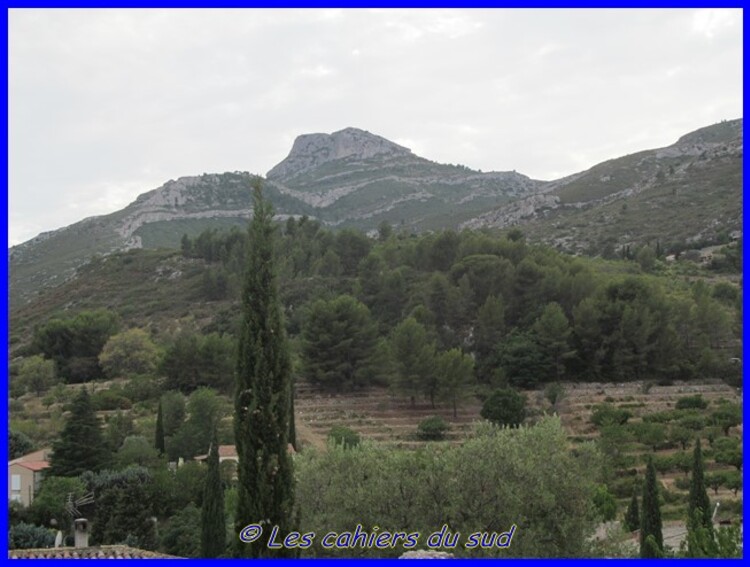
33, 465
36, 456
103, 552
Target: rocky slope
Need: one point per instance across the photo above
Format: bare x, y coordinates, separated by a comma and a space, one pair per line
348, 178
355, 178
690, 191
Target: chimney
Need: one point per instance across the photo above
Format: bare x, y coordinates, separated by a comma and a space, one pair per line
81, 532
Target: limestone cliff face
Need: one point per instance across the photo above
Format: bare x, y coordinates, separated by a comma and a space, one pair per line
310, 151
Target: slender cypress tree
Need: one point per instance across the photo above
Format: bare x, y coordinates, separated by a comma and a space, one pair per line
80, 447
698, 495
633, 514
159, 440
651, 515
701, 538
262, 398
213, 521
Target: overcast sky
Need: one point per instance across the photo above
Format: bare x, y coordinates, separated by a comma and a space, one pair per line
108, 104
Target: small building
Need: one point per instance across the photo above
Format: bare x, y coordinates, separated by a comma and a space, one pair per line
82, 550
25, 476
229, 453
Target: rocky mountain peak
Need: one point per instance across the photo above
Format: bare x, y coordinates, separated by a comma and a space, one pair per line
312, 150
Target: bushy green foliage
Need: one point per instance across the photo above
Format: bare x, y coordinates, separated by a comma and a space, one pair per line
607, 414
37, 374
505, 407
605, 503
49, 503
181, 537
432, 428
75, 343
499, 477
727, 451
110, 399
727, 416
29, 536
691, 402
344, 436
136, 450
123, 507
127, 353
652, 435
19, 444
193, 436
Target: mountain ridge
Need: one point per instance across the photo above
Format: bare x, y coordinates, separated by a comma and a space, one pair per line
352, 178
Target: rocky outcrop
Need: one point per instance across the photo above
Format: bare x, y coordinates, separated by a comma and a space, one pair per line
514, 213
313, 150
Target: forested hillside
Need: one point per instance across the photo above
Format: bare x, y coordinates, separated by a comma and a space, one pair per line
447, 322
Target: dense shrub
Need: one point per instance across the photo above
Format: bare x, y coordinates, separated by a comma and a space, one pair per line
505, 407
29, 536
341, 435
432, 429
691, 402
112, 399
607, 414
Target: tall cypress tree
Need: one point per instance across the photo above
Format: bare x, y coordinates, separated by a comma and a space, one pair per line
80, 447
262, 397
633, 514
698, 495
701, 538
213, 521
159, 436
651, 515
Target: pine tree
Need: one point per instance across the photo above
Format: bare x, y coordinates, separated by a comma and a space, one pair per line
488, 333
414, 355
700, 541
633, 514
262, 398
213, 522
81, 446
159, 437
651, 515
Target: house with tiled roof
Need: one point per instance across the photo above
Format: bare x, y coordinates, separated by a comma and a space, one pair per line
25, 475
82, 550
101, 552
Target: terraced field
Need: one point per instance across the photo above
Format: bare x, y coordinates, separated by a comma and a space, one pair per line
378, 415
375, 414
